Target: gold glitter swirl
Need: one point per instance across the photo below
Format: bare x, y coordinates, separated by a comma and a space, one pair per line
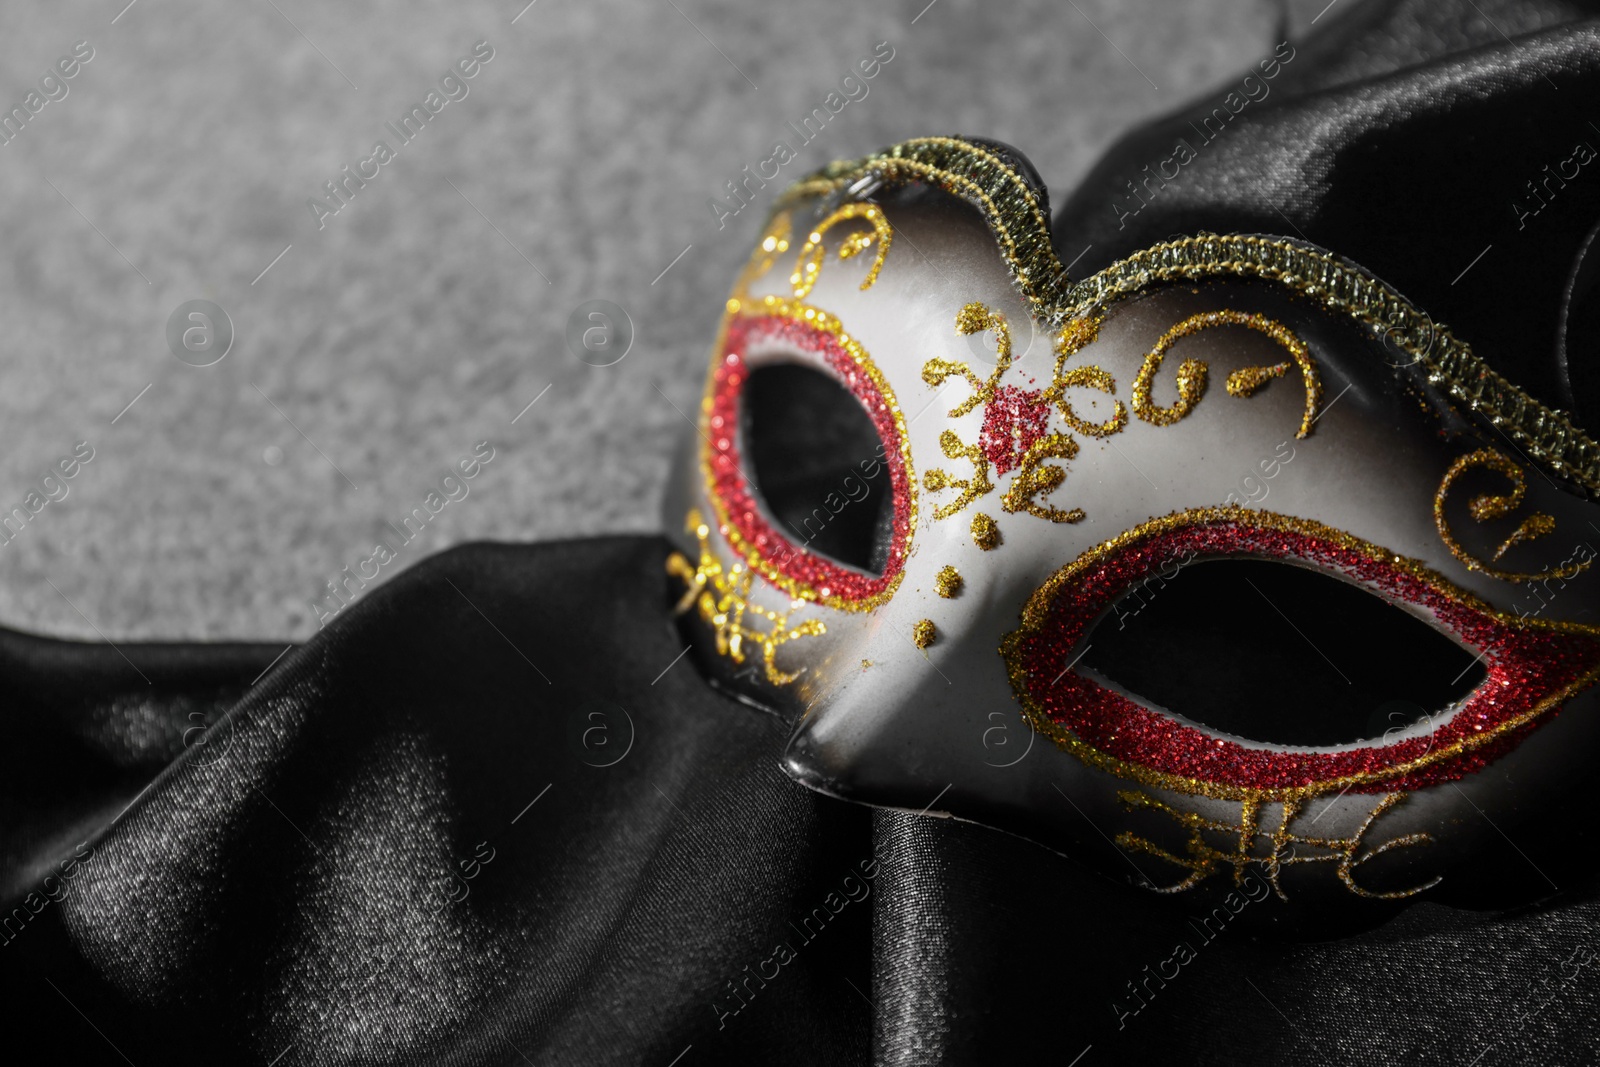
1035, 479
1191, 379
1241, 383
924, 633
1036, 612
1074, 336
1008, 202
809, 265
1534, 526
1484, 507
723, 598
1016, 216
985, 532
1546, 435
974, 318
1203, 859
1246, 380
774, 244
971, 488
948, 582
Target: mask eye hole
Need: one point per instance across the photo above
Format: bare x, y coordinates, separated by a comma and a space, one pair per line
1278, 654
788, 382
807, 444
1531, 666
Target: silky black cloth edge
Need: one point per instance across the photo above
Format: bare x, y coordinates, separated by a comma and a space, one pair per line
1403, 137
287, 884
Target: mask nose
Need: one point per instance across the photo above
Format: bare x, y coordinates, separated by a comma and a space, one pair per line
949, 745
886, 732
899, 731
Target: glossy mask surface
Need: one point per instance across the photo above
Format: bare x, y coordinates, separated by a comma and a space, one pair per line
1191, 577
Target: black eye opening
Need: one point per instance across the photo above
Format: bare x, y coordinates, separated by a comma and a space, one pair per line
1278, 654
817, 464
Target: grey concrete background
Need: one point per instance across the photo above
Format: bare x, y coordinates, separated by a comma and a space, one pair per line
411, 326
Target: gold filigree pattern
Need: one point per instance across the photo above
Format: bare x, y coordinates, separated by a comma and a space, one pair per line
971, 319
723, 598
974, 318
1074, 336
809, 265
976, 174
774, 244
1035, 479
1484, 507
1202, 859
1191, 378
971, 488
985, 532
1245, 382
1015, 214
1077, 333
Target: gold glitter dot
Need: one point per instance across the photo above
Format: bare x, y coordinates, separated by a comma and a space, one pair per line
948, 582
1246, 380
924, 632
865, 664
973, 318
985, 532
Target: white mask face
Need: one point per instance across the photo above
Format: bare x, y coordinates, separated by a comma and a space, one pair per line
1200, 570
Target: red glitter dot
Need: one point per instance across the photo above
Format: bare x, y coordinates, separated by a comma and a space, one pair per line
1012, 422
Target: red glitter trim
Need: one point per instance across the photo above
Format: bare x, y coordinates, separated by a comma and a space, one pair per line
1012, 422
813, 577
1526, 667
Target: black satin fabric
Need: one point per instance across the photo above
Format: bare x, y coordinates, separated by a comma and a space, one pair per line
401, 842
1402, 136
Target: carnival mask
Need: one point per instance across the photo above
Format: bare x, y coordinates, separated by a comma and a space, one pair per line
1224, 566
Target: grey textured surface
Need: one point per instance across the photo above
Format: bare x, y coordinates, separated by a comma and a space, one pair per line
411, 326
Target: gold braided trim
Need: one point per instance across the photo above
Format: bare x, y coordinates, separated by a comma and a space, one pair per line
976, 175
1013, 212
